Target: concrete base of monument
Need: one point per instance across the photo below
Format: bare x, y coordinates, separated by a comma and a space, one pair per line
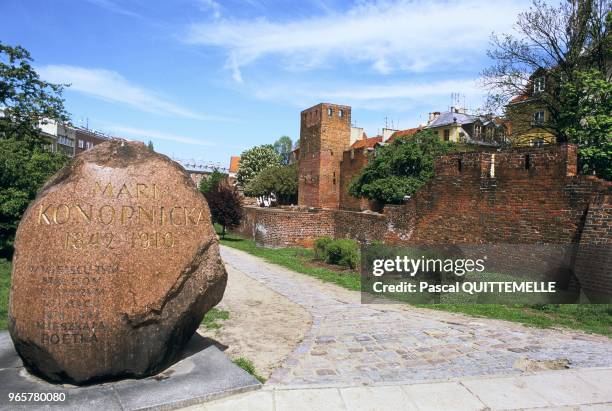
203, 373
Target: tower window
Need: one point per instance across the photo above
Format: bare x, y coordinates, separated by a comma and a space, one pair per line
340, 113
330, 112
539, 84
527, 161
538, 117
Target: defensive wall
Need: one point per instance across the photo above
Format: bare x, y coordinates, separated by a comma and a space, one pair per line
514, 198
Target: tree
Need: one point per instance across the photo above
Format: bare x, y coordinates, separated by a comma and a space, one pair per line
283, 147
25, 99
280, 180
558, 41
150, 146
25, 165
255, 160
588, 121
23, 171
400, 168
225, 206
212, 182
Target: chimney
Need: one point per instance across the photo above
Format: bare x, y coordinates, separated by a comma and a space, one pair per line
387, 133
433, 116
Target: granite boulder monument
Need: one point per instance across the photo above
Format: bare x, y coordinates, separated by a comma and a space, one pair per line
116, 262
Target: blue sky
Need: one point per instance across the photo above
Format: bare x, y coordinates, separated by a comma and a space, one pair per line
206, 79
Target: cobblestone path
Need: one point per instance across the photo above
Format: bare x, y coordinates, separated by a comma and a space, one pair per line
353, 344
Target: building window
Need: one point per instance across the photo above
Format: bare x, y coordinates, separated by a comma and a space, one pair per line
489, 133
538, 117
538, 142
539, 84
340, 113
446, 135
330, 112
81, 144
65, 141
477, 131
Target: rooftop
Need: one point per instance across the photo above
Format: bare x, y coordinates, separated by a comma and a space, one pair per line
452, 117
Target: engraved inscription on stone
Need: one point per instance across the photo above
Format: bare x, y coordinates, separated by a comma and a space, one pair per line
115, 264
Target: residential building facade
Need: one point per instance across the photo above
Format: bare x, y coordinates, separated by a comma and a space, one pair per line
69, 140
528, 115
458, 126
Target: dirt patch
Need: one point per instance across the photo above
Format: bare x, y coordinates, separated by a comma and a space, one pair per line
528, 365
263, 326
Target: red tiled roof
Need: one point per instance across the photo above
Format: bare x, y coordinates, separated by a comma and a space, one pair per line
404, 133
234, 161
520, 98
367, 142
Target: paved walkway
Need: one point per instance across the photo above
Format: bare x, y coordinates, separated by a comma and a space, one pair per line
551, 390
351, 344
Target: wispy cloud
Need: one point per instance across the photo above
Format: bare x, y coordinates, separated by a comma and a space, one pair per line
124, 131
394, 35
370, 96
212, 6
382, 92
113, 87
114, 8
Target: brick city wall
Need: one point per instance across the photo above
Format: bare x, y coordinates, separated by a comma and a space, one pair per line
278, 227
513, 198
594, 256
353, 161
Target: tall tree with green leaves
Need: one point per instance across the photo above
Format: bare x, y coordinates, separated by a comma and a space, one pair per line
283, 147
150, 146
559, 40
26, 101
211, 182
399, 169
282, 181
254, 161
588, 121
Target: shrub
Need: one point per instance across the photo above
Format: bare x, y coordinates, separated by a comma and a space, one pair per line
342, 252
225, 206
320, 248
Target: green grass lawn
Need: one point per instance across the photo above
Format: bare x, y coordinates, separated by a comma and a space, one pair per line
5, 286
595, 318
213, 317
296, 259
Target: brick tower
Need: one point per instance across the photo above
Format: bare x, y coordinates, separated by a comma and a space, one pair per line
325, 132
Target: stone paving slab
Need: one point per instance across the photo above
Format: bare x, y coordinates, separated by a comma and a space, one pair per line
464, 394
204, 373
354, 344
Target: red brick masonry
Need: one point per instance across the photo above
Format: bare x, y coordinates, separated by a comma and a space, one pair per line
516, 196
